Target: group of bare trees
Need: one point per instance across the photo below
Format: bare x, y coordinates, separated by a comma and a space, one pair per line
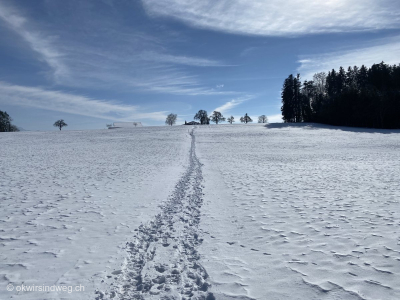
215, 117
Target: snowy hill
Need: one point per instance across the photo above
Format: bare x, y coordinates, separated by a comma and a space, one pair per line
299, 211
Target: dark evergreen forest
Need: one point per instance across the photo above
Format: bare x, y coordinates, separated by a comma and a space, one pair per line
5, 123
362, 97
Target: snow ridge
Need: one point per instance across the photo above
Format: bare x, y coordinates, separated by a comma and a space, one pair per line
162, 261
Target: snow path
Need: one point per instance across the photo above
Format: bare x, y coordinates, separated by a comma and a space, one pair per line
162, 261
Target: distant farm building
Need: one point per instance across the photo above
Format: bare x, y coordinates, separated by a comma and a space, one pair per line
124, 125
192, 123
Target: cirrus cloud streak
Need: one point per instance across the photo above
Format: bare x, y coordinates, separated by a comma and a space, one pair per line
74, 104
387, 50
280, 18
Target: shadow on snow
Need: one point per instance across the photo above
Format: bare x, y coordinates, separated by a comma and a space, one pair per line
317, 126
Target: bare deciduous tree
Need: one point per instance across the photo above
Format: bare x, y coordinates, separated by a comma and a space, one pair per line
60, 124
262, 119
202, 117
171, 119
320, 82
246, 119
217, 117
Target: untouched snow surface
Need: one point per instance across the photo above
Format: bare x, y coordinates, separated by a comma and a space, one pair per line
220, 212
301, 212
69, 201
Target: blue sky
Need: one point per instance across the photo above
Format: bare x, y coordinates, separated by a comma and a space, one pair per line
95, 62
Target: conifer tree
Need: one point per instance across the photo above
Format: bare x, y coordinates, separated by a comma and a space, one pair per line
287, 100
366, 97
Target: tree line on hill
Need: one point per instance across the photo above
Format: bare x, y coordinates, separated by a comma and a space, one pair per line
362, 97
5, 123
215, 117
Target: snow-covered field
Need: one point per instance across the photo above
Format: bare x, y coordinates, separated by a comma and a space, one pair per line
70, 199
306, 212
228, 212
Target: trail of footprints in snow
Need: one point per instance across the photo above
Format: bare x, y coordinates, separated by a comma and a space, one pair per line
162, 261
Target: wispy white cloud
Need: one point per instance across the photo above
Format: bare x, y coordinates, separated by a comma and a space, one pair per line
173, 81
181, 60
37, 41
133, 73
219, 86
248, 51
73, 104
131, 61
387, 50
233, 103
280, 18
